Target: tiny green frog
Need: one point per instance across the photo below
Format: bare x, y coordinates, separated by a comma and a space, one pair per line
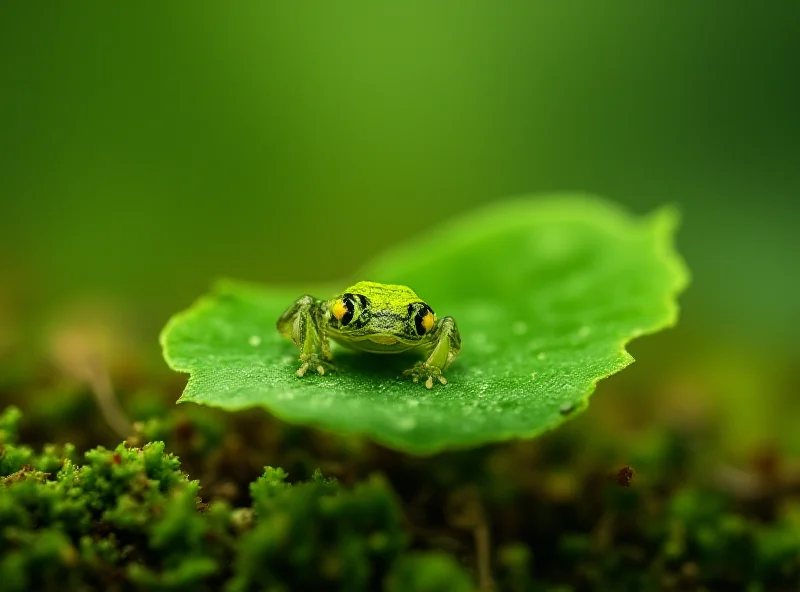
375, 318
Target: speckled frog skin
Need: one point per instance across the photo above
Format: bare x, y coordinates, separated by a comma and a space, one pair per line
374, 318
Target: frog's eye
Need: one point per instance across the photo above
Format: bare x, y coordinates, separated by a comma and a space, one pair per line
424, 319
344, 308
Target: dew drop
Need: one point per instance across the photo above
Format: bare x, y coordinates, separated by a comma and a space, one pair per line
254, 340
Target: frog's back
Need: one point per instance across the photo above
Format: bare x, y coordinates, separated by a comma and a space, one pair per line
386, 297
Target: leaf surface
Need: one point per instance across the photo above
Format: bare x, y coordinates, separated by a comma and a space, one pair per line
546, 293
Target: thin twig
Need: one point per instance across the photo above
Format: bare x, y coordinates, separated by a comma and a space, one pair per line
483, 552
100, 382
77, 355
466, 511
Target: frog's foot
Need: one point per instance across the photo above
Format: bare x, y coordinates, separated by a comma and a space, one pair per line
426, 372
315, 362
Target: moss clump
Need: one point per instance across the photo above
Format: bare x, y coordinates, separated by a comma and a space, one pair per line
553, 514
318, 532
428, 572
129, 518
125, 514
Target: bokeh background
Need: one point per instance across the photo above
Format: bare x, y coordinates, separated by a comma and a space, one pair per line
148, 150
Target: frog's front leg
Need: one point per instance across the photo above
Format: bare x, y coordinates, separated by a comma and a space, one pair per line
304, 323
444, 343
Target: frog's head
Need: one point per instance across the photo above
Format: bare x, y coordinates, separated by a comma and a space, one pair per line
382, 314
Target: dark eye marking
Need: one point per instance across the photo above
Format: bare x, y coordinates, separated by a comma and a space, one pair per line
349, 303
352, 311
419, 311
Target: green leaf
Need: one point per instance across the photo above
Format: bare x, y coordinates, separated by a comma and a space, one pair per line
546, 293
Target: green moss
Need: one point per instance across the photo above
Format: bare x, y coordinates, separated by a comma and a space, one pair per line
130, 518
130, 514
428, 572
317, 533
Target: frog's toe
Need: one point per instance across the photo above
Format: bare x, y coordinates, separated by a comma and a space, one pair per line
426, 373
314, 362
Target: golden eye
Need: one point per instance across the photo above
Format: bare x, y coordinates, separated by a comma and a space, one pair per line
343, 309
427, 321
339, 310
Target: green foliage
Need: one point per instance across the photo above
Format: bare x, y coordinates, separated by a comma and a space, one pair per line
9, 421
22, 458
130, 513
129, 519
127, 509
316, 534
428, 572
546, 294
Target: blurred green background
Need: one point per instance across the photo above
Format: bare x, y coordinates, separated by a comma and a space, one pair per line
148, 150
